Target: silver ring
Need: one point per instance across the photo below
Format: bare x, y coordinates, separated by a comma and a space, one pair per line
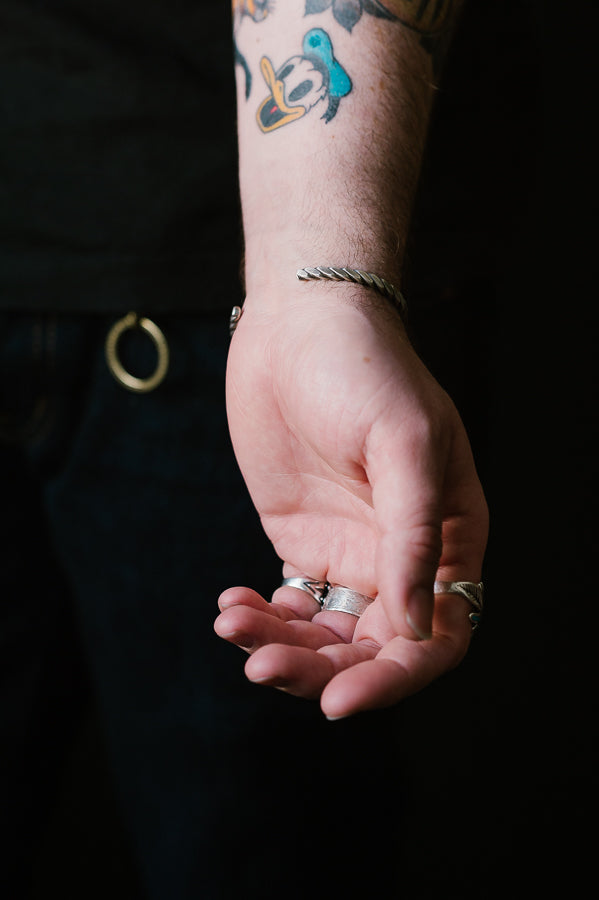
234, 318
317, 589
472, 591
115, 366
345, 600
331, 596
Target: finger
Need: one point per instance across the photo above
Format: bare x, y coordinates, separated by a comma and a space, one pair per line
306, 606
372, 684
347, 683
241, 596
401, 668
297, 670
301, 671
249, 632
252, 628
340, 624
237, 596
287, 602
407, 483
300, 602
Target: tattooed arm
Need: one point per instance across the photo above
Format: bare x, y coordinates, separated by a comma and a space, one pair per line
355, 458
332, 133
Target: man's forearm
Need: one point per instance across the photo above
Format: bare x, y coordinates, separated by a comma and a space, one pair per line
333, 107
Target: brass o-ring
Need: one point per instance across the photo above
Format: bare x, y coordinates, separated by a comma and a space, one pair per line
131, 382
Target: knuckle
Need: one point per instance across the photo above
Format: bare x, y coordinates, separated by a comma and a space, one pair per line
425, 541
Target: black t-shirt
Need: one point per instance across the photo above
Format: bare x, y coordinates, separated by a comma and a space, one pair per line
118, 159
118, 156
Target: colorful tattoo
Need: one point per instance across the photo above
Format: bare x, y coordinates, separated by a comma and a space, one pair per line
302, 82
257, 11
314, 76
430, 19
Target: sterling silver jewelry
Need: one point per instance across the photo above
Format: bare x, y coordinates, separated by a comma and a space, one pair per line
234, 318
358, 276
341, 273
473, 593
331, 596
345, 600
317, 589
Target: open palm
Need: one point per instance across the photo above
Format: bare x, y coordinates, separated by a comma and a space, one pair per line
361, 471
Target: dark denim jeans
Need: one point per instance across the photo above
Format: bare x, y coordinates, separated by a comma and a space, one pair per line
123, 517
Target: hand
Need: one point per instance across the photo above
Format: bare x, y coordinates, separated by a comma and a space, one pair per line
361, 471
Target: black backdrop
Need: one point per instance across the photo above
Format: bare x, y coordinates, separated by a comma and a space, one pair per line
499, 755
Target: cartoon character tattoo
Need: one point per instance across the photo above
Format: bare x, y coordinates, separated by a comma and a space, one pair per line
257, 11
315, 75
302, 82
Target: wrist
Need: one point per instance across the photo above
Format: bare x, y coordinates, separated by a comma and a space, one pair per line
272, 261
318, 293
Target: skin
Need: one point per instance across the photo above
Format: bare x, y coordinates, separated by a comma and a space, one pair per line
355, 458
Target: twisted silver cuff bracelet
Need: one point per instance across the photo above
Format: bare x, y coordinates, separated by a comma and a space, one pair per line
342, 273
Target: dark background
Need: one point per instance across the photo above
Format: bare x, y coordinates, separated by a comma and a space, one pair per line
504, 748
498, 756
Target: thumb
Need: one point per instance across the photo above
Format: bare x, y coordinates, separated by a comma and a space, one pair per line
407, 482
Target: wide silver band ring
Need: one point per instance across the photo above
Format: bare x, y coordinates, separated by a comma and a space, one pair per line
345, 600
117, 369
472, 591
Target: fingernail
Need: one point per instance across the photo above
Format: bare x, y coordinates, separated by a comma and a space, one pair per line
227, 603
419, 614
243, 641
